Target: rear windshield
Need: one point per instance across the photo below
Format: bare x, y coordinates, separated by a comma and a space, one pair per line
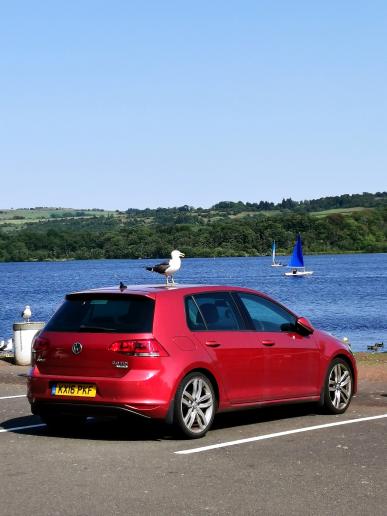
123, 314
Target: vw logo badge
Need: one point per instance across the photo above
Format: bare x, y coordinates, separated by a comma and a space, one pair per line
76, 348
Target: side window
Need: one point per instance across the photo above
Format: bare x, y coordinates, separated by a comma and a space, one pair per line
219, 311
266, 315
194, 317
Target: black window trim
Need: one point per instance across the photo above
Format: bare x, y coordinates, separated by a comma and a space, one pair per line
243, 311
186, 298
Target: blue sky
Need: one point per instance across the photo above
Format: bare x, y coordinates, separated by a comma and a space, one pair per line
157, 103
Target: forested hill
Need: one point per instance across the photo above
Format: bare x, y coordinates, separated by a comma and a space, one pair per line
346, 223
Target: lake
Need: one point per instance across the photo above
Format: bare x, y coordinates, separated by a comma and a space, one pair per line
346, 296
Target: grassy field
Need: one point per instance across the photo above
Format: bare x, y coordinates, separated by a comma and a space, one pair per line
342, 211
243, 214
371, 358
17, 218
22, 216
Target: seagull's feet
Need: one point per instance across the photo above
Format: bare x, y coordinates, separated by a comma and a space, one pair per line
170, 282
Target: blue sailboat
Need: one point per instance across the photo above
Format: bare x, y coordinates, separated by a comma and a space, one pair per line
297, 261
274, 263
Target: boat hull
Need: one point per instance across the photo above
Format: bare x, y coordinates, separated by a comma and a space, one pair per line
299, 273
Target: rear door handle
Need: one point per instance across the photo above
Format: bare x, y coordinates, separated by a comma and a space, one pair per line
212, 344
268, 342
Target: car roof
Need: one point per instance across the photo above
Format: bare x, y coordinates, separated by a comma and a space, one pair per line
161, 289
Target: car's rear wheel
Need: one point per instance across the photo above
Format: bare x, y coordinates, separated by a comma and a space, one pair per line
338, 387
195, 404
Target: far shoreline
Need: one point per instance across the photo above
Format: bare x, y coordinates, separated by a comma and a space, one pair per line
59, 260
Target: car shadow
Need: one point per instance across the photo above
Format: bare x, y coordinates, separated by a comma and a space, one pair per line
106, 429
139, 429
264, 415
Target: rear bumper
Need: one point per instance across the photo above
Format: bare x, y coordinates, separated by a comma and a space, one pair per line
148, 396
42, 408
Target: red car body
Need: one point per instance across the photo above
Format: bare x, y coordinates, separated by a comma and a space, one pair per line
141, 372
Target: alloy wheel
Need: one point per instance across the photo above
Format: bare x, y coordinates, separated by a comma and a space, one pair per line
339, 387
196, 405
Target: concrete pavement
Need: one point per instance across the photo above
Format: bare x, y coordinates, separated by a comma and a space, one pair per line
131, 467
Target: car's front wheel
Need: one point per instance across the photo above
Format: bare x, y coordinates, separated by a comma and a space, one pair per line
338, 387
195, 404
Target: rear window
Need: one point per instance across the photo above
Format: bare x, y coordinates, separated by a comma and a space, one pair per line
123, 314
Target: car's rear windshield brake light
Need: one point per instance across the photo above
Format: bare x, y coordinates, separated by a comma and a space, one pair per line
139, 348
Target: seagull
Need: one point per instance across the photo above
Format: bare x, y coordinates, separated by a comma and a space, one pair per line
168, 268
6, 346
26, 313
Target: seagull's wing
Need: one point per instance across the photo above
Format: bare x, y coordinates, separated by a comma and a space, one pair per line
161, 267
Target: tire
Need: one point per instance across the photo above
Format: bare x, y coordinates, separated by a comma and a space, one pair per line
338, 388
195, 405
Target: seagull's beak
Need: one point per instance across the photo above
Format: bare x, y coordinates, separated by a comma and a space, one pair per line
181, 255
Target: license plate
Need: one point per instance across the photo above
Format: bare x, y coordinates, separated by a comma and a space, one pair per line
83, 390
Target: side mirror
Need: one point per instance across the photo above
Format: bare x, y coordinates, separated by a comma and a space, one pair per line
303, 326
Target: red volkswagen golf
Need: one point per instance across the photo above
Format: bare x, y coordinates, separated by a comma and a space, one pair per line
181, 354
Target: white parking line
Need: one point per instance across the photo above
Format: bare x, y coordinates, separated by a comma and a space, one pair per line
9, 397
278, 434
14, 428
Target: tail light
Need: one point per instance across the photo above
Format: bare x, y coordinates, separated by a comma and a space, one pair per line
39, 346
139, 348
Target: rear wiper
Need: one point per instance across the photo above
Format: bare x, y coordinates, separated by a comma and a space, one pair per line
84, 327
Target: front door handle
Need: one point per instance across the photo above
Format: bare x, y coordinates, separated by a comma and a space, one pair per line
268, 342
212, 344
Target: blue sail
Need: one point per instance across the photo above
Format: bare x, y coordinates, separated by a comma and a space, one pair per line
297, 260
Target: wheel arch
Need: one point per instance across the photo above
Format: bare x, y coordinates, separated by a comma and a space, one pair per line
206, 372
349, 362
212, 378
